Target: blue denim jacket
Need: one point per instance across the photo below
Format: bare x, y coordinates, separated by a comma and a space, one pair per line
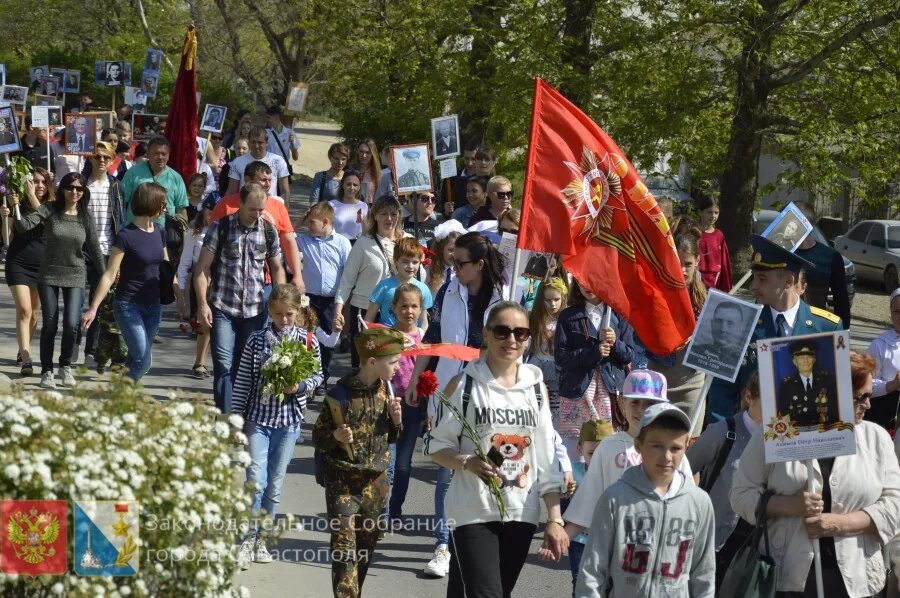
576, 352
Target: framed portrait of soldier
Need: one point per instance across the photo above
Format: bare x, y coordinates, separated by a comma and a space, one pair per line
51, 85
149, 83
37, 72
721, 336
72, 82
789, 228
105, 120
15, 95
136, 98
445, 136
81, 134
411, 166
9, 134
213, 118
153, 60
296, 98
55, 116
115, 73
807, 396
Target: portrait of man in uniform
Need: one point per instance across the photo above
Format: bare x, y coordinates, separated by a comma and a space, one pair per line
808, 396
723, 331
412, 168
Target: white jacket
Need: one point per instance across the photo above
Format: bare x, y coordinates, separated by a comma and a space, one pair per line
366, 266
510, 420
867, 481
613, 456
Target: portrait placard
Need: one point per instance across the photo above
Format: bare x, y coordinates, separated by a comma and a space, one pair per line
115, 73
146, 126
81, 134
40, 116
149, 83
445, 137
72, 82
9, 134
296, 99
126, 79
721, 336
61, 75
37, 72
51, 85
789, 228
213, 118
136, 98
15, 95
807, 396
105, 120
100, 72
411, 168
42, 100
55, 116
153, 60
448, 168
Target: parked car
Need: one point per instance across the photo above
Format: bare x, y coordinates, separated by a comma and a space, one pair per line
874, 246
763, 218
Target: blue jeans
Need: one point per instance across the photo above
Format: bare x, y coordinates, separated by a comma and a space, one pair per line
403, 453
138, 324
72, 298
441, 531
271, 450
576, 549
229, 335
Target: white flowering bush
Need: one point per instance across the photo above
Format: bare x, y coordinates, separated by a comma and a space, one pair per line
174, 457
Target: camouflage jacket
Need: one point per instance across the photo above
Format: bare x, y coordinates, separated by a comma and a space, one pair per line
365, 410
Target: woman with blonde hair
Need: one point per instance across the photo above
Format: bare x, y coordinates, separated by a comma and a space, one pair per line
370, 261
366, 162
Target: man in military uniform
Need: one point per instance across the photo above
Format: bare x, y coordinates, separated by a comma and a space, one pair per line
777, 284
810, 395
727, 332
412, 177
358, 422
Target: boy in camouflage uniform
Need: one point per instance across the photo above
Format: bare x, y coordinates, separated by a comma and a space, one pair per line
110, 345
358, 422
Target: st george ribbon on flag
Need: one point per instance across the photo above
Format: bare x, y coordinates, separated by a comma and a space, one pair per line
584, 200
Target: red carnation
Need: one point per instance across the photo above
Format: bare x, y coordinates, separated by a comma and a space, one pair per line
427, 384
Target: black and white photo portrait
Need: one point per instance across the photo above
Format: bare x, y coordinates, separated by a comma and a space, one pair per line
136, 98
15, 94
72, 82
51, 86
115, 73
42, 100
153, 62
213, 118
100, 72
54, 116
789, 228
81, 134
721, 336
296, 100
37, 72
412, 168
9, 138
445, 136
149, 81
146, 126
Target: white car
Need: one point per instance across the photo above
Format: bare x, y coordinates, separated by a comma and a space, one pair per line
874, 248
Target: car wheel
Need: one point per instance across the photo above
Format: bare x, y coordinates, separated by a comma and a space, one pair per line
891, 280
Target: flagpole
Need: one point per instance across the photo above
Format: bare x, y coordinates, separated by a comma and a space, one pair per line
740, 283
515, 279
48, 142
817, 554
700, 406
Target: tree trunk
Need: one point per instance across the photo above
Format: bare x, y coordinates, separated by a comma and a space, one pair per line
474, 120
577, 29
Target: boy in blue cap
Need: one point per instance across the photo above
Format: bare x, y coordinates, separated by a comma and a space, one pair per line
777, 285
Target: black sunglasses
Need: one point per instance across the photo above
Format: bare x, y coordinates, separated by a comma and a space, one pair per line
501, 333
74, 188
504, 194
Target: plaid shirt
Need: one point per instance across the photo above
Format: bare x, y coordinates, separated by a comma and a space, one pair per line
239, 268
246, 396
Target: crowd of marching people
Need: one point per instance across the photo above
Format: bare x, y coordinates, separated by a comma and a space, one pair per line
549, 401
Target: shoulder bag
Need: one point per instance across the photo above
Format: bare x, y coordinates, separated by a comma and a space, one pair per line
752, 573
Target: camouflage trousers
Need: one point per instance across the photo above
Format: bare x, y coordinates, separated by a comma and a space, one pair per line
110, 346
355, 501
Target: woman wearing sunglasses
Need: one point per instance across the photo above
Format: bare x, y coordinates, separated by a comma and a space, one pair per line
500, 195
854, 510
422, 219
506, 402
69, 234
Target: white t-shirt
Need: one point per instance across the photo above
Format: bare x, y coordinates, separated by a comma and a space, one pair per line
349, 217
275, 162
284, 138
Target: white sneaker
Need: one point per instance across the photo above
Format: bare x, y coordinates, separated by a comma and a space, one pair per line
48, 380
66, 377
439, 566
262, 555
245, 554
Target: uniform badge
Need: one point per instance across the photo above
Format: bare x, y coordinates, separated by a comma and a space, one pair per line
809, 322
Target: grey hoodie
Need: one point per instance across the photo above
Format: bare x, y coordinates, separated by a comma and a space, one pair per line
647, 546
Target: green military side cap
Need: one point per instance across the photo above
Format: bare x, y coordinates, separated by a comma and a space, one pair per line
378, 342
769, 256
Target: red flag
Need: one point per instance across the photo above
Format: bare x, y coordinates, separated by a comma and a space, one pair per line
584, 200
34, 540
181, 126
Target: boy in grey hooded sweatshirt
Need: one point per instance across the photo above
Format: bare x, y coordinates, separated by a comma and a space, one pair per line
652, 534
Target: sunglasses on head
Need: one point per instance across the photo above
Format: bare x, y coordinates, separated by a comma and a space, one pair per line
504, 194
501, 333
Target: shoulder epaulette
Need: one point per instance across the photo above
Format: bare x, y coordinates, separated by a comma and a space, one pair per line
824, 313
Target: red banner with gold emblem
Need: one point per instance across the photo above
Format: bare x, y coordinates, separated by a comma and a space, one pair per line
583, 199
33, 540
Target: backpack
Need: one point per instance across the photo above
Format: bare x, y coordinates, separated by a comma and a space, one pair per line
175, 228
222, 237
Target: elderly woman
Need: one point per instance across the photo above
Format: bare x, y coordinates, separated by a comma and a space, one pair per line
854, 511
885, 350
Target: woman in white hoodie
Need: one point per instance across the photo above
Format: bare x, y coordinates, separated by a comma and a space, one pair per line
506, 403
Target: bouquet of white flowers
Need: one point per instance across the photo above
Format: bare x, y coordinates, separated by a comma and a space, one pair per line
290, 363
